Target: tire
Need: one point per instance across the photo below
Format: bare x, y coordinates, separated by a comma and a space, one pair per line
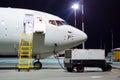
107, 68
80, 69
28, 70
70, 69
104, 69
18, 70
118, 60
37, 65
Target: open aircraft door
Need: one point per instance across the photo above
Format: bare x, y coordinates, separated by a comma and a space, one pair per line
38, 34
39, 25
28, 23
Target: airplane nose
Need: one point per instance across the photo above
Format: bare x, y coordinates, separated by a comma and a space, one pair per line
75, 36
84, 36
79, 36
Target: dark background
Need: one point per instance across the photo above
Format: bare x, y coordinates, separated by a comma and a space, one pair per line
102, 18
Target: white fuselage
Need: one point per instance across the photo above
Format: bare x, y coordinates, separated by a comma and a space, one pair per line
12, 26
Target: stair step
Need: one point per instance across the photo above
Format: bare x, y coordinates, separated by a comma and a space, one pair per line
26, 46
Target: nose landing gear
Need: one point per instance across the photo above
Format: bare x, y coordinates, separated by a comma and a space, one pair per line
36, 63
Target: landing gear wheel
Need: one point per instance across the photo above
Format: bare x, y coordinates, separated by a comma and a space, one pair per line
80, 69
37, 65
70, 69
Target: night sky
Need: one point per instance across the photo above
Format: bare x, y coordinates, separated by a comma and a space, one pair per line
102, 18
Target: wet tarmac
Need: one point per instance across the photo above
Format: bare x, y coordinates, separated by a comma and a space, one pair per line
54, 72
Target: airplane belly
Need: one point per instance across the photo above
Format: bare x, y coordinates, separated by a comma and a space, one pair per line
8, 49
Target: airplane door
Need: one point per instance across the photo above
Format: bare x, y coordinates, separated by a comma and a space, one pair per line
39, 25
28, 23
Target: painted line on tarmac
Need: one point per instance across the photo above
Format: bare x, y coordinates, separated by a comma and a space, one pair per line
114, 71
96, 77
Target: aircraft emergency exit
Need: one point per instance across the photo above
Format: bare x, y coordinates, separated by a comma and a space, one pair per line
50, 33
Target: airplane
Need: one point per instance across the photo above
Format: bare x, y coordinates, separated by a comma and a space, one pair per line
50, 32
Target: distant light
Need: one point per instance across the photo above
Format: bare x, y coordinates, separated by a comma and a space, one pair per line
75, 6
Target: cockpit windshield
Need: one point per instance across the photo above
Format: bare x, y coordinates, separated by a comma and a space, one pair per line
57, 22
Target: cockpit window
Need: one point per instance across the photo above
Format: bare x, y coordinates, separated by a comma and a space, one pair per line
52, 22
64, 22
57, 22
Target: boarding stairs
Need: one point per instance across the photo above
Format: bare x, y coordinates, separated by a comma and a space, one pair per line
25, 52
32, 39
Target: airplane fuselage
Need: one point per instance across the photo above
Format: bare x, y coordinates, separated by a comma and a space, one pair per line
55, 37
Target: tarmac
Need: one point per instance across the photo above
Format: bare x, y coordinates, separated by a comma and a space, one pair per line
53, 71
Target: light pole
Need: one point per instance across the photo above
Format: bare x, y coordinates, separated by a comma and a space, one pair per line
112, 39
75, 7
83, 44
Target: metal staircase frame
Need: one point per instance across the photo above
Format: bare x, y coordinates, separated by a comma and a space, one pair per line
25, 52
